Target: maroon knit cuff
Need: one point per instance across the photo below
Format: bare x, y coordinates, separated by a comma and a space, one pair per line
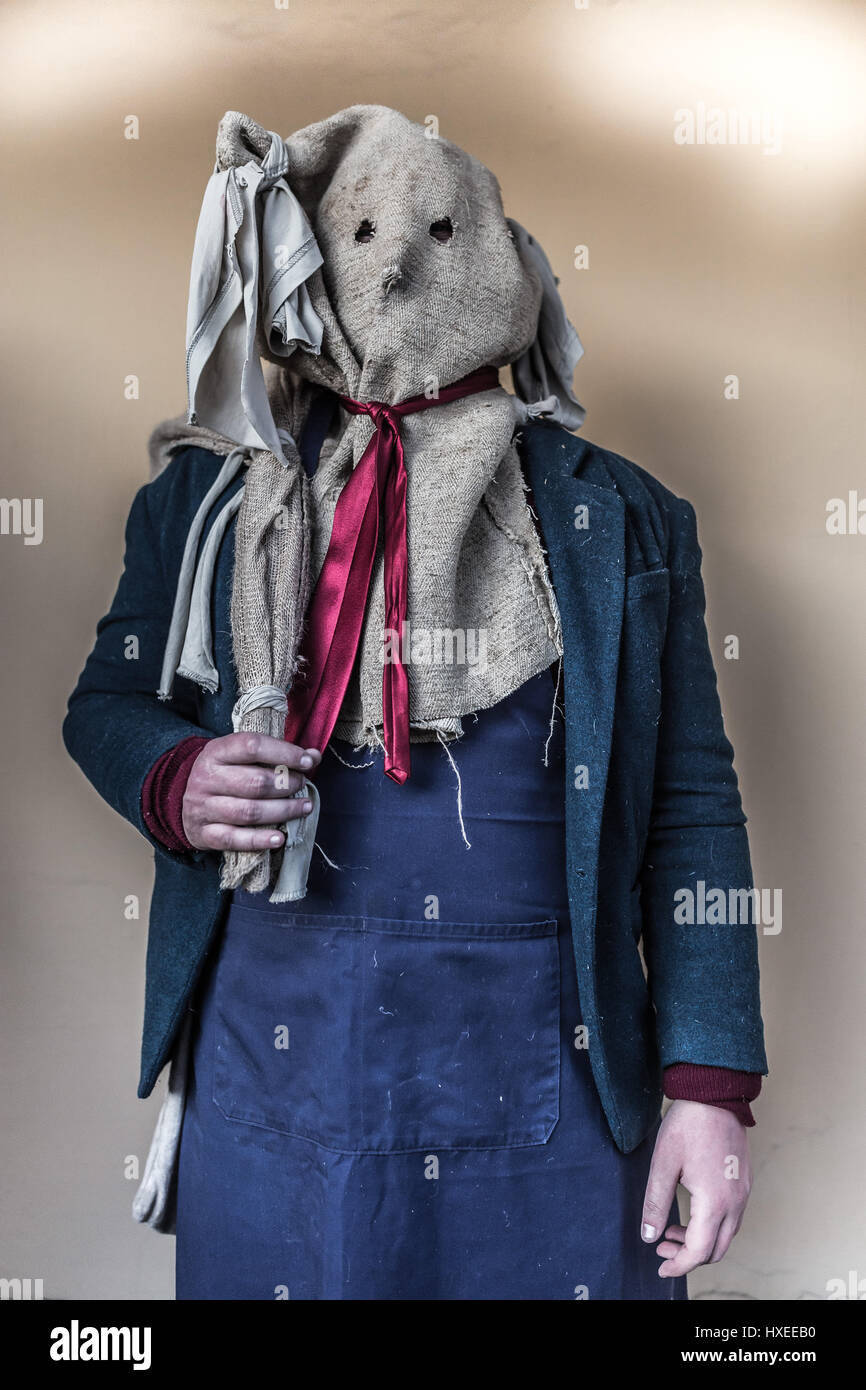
719, 1086
162, 793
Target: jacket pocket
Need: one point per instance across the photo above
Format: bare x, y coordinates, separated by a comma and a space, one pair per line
645, 622
648, 582
376, 1036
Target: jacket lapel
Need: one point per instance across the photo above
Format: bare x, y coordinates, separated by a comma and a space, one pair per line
587, 564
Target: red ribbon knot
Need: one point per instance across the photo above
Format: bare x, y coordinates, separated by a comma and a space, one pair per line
377, 488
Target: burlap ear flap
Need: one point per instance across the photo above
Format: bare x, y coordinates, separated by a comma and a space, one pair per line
254, 252
240, 139
543, 374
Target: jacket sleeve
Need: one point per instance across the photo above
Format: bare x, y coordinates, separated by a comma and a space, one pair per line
115, 727
702, 973
164, 789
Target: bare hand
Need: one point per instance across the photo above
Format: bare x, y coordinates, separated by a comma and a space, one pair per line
707, 1150
241, 788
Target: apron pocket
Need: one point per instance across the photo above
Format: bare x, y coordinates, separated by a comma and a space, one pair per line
376, 1036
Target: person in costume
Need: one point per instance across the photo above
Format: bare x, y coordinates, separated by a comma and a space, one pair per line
424, 732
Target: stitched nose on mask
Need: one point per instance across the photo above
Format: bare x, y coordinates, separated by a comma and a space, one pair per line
391, 276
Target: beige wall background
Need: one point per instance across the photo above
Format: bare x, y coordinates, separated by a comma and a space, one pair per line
704, 261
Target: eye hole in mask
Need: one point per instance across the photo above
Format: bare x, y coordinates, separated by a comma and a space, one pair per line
442, 230
366, 231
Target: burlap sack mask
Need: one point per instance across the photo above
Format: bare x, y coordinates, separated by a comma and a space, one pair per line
404, 276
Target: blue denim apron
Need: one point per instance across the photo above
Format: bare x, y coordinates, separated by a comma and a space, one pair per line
391, 1098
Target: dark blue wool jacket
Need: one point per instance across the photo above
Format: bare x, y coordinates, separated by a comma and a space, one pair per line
652, 803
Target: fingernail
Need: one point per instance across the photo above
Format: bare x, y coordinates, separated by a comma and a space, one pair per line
307, 807
315, 754
306, 761
648, 1232
276, 839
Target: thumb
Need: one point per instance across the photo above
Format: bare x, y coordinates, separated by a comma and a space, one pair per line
661, 1189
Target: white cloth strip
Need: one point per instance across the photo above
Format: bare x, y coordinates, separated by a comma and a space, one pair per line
254, 249
196, 659
183, 593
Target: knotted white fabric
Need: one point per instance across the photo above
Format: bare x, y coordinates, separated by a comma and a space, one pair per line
259, 697
254, 249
